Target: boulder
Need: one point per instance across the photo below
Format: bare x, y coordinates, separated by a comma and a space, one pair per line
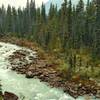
29, 74
10, 96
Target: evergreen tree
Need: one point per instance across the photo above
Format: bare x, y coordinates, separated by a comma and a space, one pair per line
43, 14
97, 33
33, 10
14, 20
80, 23
32, 15
64, 24
9, 19
70, 17
71, 35
20, 22
89, 24
2, 20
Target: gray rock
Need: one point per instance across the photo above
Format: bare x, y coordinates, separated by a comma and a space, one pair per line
10, 96
29, 74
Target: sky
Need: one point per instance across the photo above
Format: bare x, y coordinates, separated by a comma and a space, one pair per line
17, 3
22, 3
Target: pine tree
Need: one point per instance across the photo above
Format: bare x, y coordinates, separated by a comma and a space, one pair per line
14, 20
71, 35
33, 10
70, 17
9, 19
52, 11
80, 23
97, 33
2, 20
64, 24
20, 23
32, 15
89, 24
43, 14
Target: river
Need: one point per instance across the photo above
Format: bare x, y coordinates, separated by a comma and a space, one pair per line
25, 89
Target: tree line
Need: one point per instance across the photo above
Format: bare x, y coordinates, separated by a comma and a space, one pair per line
61, 30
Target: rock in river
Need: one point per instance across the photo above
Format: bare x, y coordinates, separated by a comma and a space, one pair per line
10, 96
29, 74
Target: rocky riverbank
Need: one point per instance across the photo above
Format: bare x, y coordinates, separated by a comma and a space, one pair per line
41, 67
45, 71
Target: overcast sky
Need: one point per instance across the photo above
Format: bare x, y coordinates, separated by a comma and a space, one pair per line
22, 3
18, 3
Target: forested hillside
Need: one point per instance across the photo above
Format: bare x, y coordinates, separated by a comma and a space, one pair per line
71, 33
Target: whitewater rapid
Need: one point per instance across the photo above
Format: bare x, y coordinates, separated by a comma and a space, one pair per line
25, 89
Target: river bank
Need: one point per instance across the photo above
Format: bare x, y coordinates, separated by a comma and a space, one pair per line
46, 71
24, 88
